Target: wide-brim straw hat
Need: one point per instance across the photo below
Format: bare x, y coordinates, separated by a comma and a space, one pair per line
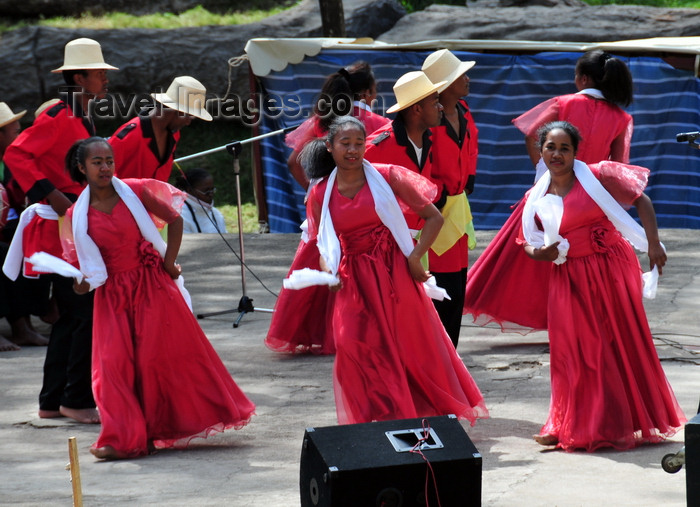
412, 87
444, 66
7, 116
43, 107
83, 54
187, 95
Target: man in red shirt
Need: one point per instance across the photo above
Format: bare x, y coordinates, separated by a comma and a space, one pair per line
37, 161
144, 146
406, 140
454, 168
23, 297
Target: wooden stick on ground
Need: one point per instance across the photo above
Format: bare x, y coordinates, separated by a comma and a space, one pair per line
75, 472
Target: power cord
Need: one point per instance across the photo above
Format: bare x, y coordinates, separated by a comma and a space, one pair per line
429, 472
225, 240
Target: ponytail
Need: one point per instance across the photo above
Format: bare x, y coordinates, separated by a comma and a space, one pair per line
335, 99
616, 84
316, 159
340, 90
609, 74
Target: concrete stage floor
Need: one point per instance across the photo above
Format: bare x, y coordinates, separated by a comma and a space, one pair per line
259, 464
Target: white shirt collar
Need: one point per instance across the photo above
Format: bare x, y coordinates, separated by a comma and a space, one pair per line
593, 92
362, 105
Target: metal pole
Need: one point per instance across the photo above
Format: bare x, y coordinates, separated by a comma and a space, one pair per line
245, 305
237, 172
228, 146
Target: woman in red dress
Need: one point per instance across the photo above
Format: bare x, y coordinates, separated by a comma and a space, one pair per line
604, 83
299, 323
350, 90
157, 380
608, 386
394, 358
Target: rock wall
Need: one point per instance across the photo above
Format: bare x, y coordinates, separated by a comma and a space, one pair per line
566, 23
149, 59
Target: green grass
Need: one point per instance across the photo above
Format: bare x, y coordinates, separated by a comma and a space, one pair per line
201, 136
249, 216
197, 16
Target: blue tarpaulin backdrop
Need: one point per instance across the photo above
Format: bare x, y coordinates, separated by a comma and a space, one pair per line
666, 102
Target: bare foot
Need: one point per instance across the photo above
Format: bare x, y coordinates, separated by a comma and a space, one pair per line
49, 414
24, 334
546, 439
29, 337
6, 345
107, 452
82, 415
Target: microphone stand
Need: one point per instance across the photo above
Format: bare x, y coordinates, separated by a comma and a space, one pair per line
245, 305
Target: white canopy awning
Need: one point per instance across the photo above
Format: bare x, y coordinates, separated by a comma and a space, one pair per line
267, 55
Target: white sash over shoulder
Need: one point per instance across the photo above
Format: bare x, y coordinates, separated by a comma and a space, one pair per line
550, 210
389, 212
89, 257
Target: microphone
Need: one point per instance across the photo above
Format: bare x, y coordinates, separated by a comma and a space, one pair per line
687, 137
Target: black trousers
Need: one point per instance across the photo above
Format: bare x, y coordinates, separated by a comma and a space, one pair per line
27, 296
24, 296
67, 368
450, 310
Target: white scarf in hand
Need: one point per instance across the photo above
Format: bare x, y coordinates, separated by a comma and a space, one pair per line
15, 255
389, 212
550, 210
91, 263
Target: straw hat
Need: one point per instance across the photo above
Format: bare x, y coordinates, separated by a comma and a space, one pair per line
442, 65
7, 116
187, 95
45, 106
412, 87
83, 54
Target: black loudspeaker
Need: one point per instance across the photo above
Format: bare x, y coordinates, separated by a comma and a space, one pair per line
368, 465
692, 461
